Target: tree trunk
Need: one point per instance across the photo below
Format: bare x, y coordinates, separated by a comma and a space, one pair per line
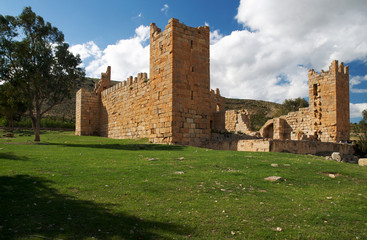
36, 126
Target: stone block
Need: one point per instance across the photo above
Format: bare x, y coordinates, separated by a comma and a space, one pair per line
362, 162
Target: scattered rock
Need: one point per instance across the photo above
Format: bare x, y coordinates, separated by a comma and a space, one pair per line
233, 233
181, 158
328, 158
336, 156
152, 159
179, 172
362, 162
274, 165
286, 165
279, 229
273, 179
329, 198
332, 175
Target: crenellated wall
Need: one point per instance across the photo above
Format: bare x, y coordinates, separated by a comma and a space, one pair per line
175, 105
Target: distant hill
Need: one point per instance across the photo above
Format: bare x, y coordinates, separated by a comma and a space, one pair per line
261, 111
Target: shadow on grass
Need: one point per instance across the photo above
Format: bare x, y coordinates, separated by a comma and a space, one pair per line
130, 147
30, 209
11, 156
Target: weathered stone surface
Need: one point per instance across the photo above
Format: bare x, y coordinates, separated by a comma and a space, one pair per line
336, 156
362, 162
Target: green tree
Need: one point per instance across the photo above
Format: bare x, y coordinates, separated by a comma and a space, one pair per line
35, 59
12, 106
361, 143
291, 105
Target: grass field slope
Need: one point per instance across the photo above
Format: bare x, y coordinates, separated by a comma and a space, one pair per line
78, 187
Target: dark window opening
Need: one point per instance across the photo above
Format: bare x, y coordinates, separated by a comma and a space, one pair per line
192, 69
192, 44
192, 95
315, 89
90, 122
211, 124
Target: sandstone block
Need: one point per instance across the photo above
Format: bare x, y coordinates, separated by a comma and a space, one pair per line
362, 162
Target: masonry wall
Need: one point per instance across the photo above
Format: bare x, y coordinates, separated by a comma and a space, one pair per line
238, 121
87, 108
191, 113
327, 117
175, 105
329, 102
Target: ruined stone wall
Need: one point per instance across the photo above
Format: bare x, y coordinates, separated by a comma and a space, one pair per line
327, 117
217, 108
238, 121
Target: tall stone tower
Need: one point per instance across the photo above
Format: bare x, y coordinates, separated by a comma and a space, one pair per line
179, 68
329, 103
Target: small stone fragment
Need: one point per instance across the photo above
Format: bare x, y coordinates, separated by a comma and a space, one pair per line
279, 229
233, 233
179, 172
273, 178
274, 165
181, 158
332, 175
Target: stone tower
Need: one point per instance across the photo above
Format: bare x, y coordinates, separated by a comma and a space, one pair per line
329, 103
175, 105
179, 58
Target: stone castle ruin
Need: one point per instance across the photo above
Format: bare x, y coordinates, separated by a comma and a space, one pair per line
175, 104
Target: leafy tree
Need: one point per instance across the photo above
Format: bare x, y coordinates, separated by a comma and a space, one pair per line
12, 106
361, 143
291, 105
35, 59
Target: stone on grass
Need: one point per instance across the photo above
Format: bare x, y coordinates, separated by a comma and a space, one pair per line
274, 165
336, 156
362, 162
273, 179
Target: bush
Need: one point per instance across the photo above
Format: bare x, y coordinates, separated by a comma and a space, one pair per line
47, 122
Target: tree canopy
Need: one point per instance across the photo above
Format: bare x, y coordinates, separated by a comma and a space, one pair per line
291, 105
35, 60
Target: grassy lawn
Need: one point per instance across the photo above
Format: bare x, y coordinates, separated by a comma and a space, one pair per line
71, 187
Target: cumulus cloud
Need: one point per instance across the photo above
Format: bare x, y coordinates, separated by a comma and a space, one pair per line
281, 40
356, 109
86, 50
127, 57
355, 81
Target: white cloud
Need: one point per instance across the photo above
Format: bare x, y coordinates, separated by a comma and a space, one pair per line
215, 36
356, 109
287, 38
86, 50
127, 57
355, 81
165, 8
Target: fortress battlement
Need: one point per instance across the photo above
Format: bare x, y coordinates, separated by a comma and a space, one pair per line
334, 68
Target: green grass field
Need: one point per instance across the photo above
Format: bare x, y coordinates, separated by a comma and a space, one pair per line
71, 187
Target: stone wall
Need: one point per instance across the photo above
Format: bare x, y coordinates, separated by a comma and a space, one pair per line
238, 121
327, 117
87, 112
174, 106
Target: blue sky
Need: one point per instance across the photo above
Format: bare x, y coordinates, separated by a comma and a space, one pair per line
260, 49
